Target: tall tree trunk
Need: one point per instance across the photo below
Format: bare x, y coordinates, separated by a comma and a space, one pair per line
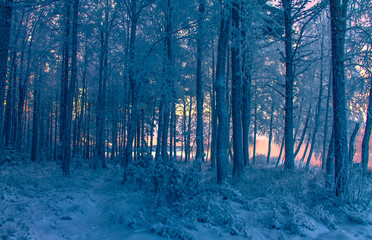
168, 100
247, 82
35, 125
326, 122
174, 130
103, 65
270, 131
134, 86
221, 108
5, 24
152, 127
367, 132
338, 10
64, 92
160, 128
255, 132
188, 141
289, 82
214, 115
237, 94
70, 93
199, 86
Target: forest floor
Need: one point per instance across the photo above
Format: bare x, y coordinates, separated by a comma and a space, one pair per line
172, 201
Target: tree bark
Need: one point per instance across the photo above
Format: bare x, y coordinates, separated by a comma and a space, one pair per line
270, 131
237, 95
289, 79
221, 108
64, 92
326, 123
199, 86
338, 11
5, 24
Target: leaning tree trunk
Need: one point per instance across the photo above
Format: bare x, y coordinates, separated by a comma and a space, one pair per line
352, 142
303, 133
317, 116
319, 104
338, 10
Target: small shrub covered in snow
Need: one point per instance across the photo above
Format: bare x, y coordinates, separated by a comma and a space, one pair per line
324, 216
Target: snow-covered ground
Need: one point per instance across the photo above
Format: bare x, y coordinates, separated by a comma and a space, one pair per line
37, 202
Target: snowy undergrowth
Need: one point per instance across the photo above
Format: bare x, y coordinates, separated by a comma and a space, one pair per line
167, 200
266, 204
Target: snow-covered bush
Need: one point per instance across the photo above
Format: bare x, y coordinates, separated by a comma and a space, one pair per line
168, 183
171, 232
324, 216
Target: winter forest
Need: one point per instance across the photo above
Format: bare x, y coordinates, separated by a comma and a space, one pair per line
185, 119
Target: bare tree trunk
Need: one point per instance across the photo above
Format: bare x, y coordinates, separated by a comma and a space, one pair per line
188, 141
35, 125
70, 94
270, 131
152, 127
221, 108
289, 82
326, 123
64, 90
160, 128
247, 82
214, 115
134, 86
5, 24
255, 133
168, 100
199, 86
237, 95
338, 11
